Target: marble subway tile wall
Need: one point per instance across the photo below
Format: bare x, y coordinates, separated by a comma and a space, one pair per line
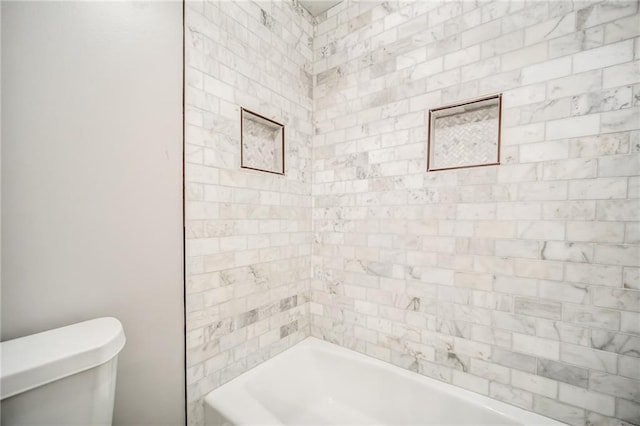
519, 281
248, 233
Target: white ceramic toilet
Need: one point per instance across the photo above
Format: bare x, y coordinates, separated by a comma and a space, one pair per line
65, 376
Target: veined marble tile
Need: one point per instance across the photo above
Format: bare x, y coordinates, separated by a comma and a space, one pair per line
563, 332
630, 323
627, 255
539, 347
599, 13
592, 401
545, 110
514, 360
588, 358
490, 335
628, 411
576, 84
623, 344
626, 119
622, 74
563, 372
606, 100
534, 384
545, 71
600, 145
570, 169
576, 42
489, 371
611, 54
628, 300
575, 210
550, 29
614, 385
593, 274
568, 292
626, 165
593, 316
629, 366
511, 395
622, 29
558, 410
538, 308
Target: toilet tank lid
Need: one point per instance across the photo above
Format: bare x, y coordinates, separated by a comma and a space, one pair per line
32, 361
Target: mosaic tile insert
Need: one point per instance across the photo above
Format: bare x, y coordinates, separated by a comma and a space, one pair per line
262, 143
465, 135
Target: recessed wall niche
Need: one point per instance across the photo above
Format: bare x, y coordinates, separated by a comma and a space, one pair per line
262, 143
466, 134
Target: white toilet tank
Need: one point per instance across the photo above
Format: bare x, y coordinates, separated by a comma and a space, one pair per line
65, 376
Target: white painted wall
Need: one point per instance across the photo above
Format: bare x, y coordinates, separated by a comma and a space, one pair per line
92, 185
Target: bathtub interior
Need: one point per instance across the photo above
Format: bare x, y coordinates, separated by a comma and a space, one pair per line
318, 383
334, 389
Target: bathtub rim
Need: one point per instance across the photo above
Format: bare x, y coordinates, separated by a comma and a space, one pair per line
234, 401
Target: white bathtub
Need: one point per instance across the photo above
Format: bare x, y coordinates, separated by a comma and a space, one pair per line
318, 383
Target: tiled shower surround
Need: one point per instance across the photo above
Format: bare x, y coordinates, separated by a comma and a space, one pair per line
248, 233
519, 281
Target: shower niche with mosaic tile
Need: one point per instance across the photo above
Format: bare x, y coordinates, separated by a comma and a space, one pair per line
262, 143
466, 134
